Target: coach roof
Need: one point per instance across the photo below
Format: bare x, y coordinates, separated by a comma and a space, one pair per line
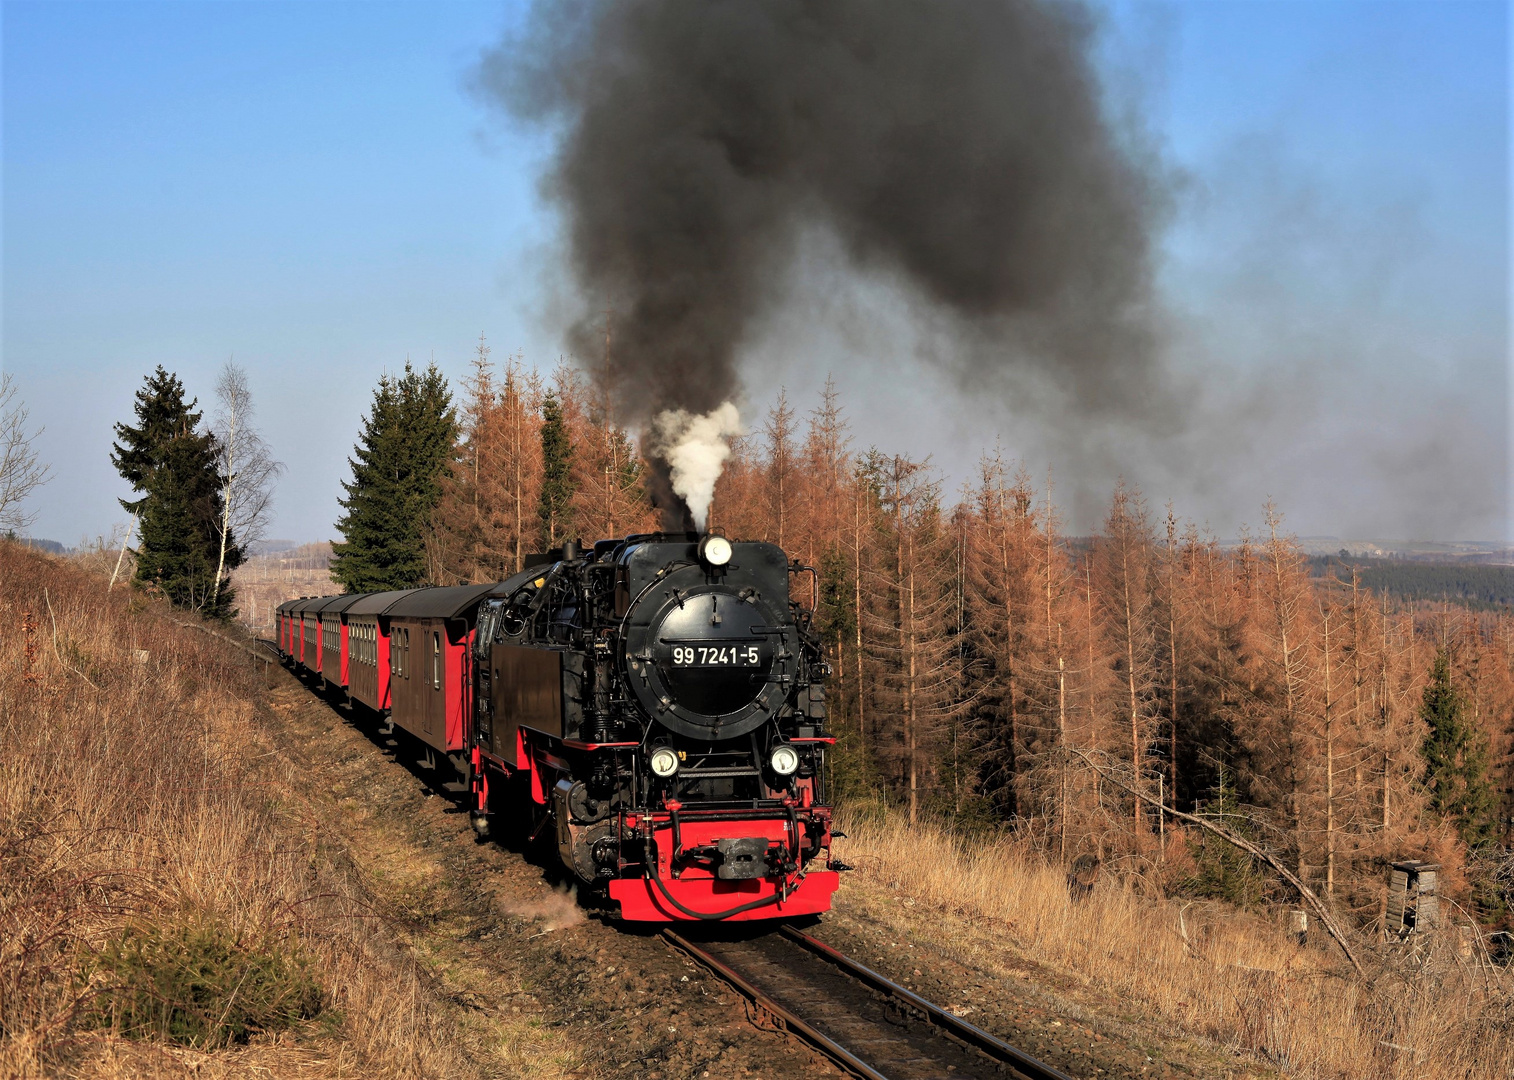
342, 603
445, 603
376, 603
309, 605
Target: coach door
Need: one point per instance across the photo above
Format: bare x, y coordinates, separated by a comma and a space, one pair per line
436, 683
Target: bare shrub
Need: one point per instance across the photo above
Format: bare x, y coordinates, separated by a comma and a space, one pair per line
21, 472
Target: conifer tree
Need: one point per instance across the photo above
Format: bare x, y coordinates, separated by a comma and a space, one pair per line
520, 461
1456, 757
1281, 724
781, 476
998, 558
610, 498
555, 506
456, 539
1123, 573
405, 445
172, 465
912, 615
826, 480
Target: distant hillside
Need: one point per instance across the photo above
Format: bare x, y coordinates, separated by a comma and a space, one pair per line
265, 581
1480, 587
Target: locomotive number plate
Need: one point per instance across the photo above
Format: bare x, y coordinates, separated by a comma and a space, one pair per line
716, 656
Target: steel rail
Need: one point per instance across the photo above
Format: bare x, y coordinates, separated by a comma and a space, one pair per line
992, 1047
824, 1043
971, 1034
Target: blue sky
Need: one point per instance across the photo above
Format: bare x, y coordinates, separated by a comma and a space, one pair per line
314, 190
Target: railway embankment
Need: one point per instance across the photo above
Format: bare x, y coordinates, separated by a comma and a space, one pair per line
173, 899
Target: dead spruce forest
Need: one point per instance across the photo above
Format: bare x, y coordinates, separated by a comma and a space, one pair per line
990, 670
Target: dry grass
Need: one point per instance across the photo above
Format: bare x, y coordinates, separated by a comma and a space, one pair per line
137, 788
1211, 971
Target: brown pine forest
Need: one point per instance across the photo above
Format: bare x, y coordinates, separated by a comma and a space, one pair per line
991, 671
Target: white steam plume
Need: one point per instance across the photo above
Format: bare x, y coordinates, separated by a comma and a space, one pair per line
695, 448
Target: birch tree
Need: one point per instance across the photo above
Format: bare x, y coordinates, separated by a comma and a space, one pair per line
247, 471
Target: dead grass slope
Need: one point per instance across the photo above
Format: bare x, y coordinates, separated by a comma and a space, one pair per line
1207, 971
162, 876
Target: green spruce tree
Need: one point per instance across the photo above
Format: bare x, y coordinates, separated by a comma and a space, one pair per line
171, 465
1222, 870
555, 507
1456, 758
403, 450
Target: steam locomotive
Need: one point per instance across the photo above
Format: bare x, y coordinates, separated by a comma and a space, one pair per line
657, 702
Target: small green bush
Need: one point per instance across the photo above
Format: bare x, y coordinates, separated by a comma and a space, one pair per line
1222, 870
193, 982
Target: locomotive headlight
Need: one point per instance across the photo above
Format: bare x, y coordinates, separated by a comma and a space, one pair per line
715, 550
785, 760
664, 762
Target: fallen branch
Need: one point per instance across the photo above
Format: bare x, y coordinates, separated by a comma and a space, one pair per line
113, 574
1314, 903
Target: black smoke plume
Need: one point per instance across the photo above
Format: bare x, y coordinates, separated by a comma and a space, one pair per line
962, 148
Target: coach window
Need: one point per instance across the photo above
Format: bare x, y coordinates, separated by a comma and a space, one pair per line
436, 661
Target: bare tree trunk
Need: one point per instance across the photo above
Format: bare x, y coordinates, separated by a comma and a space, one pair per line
906, 654
913, 718
233, 406
1088, 586
857, 602
1009, 656
1356, 667
1135, 730
1062, 739
517, 409
1285, 613
1387, 716
1329, 767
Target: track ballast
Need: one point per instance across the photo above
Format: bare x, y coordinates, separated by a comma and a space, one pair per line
867, 1024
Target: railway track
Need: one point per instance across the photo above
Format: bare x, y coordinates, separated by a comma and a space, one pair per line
870, 1026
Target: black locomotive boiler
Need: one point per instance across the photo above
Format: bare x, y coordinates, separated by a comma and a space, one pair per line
657, 702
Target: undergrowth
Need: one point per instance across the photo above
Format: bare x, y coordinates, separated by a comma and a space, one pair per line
1434, 1009
190, 980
